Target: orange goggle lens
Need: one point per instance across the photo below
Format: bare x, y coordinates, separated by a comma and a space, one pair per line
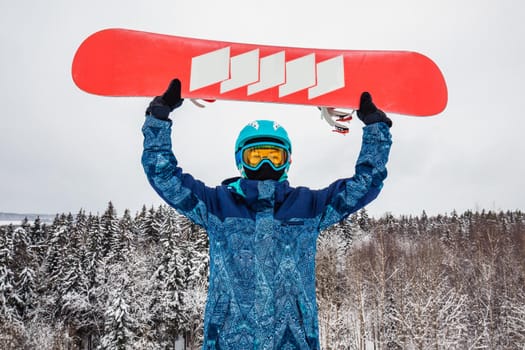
253, 156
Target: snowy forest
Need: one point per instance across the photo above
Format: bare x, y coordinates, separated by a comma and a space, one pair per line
85, 281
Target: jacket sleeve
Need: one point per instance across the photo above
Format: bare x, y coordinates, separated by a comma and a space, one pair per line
349, 195
179, 190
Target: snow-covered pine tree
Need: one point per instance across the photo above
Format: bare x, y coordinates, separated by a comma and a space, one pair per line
148, 223
195, 260
169, 280
121, 239
94, 244
364, 221
93, 262
25, 291
38, 233
24, 270
74, 284
118, 325
16, 286
7, 276
109, 229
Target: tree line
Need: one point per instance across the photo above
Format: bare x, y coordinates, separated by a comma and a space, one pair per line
85, 281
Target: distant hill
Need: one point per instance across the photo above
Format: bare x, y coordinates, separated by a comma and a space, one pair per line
17, 218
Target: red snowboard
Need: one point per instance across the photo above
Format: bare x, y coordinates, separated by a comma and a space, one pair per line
120, 62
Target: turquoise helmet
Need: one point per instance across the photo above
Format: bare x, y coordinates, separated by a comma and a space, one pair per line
262, 131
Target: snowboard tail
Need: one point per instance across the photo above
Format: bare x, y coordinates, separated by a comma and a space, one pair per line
121, 62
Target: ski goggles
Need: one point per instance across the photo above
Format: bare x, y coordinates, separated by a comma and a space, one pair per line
255, 154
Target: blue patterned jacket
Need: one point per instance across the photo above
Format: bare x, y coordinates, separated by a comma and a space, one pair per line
262, 236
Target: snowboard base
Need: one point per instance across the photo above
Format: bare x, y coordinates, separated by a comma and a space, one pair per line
121, 62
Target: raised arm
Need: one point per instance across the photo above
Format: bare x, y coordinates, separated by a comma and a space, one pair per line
349, 195
179, 190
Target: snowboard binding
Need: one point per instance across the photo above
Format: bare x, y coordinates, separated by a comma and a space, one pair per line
199, 101
336, 118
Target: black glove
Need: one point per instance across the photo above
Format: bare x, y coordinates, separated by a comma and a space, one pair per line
369, 113
162, 106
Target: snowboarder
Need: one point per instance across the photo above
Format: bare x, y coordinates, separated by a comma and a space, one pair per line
262, 232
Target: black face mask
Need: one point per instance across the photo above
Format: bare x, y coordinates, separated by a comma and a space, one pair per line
265, 172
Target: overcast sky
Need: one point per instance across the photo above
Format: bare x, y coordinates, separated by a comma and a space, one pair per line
62, 149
